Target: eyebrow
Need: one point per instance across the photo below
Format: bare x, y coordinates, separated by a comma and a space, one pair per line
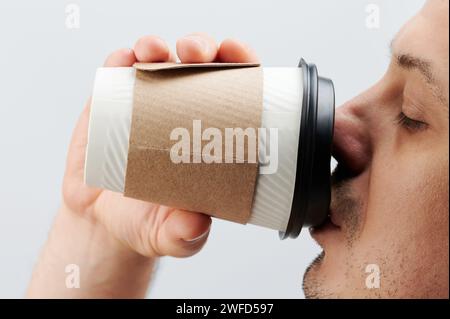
410, 62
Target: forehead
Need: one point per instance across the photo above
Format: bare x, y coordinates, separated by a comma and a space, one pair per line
426, 36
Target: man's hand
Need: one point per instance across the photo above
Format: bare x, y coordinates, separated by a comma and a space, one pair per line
111, 238
149, 229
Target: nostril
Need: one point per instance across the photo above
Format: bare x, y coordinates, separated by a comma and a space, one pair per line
351, 147
350, 154
342, 172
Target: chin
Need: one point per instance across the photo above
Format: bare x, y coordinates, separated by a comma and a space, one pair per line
331, 238
327, 234
313, 283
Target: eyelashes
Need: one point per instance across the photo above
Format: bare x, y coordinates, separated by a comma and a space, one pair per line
410, 124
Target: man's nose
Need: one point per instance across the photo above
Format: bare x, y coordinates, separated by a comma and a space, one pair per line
351, 143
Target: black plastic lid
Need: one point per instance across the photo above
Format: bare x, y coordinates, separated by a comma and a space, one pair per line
312, 192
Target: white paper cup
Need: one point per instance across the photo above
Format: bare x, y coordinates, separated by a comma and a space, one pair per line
283, 97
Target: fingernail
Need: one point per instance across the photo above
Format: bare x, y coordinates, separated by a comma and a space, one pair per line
193, 240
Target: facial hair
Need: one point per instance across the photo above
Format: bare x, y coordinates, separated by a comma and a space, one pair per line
348, 207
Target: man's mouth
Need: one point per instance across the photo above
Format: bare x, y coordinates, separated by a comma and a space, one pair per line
327, 231
345, 208
332, 227
330, 222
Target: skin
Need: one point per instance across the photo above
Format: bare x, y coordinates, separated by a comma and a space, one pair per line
390, 193
116, 240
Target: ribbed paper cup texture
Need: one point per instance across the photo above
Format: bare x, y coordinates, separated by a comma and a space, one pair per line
109, 131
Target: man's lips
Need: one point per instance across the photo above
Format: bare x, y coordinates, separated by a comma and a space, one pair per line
330, 228
332, 220
335, 219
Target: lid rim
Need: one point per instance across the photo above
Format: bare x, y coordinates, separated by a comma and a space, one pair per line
312, 191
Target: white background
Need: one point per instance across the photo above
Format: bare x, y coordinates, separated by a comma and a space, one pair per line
46, 73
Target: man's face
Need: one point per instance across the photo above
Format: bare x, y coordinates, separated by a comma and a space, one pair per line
389, 211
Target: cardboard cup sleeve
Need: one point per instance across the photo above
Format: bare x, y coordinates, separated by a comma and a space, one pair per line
134, 110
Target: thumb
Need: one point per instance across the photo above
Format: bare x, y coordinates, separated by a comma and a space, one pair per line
183, 233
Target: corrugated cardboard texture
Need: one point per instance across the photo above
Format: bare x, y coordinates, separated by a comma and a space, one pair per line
168, 96
171, 66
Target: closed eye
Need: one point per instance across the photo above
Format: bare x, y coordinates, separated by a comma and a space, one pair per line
410, 124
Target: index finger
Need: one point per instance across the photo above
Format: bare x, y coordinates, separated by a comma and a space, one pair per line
232, 50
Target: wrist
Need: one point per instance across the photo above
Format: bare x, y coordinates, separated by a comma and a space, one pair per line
106, 267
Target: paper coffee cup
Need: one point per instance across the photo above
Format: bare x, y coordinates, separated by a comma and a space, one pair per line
278, 180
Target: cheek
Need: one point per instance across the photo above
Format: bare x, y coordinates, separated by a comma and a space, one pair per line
408, 192
406, 225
